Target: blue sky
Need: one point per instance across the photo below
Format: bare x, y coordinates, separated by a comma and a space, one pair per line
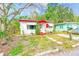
41, 9
74, 7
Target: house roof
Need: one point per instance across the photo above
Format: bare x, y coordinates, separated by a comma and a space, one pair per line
42, 21
23, 20
39, 21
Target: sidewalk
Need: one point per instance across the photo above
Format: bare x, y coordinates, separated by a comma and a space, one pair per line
54, 40
67, 36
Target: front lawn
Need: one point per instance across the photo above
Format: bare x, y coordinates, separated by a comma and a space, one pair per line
31, 45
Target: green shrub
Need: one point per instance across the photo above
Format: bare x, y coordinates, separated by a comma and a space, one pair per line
2, 34
37, 29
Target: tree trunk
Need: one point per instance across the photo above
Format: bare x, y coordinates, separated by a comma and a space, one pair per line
54, 28
70, 36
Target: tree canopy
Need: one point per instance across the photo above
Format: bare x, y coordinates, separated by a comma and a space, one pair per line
59, 13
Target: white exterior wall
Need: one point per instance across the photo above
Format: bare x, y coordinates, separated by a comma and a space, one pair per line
24, 30
50, 29
75, 26
43, 28
23, 27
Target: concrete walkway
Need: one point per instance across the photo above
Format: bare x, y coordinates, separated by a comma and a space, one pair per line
67, 36
54, 40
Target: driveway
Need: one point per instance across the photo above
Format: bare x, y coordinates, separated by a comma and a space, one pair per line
67, 36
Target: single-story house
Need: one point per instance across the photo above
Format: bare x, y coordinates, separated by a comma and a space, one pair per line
66, 25
28, 27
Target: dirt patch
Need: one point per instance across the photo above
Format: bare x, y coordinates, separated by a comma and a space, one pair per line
5, 47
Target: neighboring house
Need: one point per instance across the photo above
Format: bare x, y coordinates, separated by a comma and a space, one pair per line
66, 25
28, 27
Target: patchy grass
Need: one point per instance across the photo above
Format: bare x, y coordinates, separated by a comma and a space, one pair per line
77, 35
59, 32
63, 39
39, 43
16, 50
67, 42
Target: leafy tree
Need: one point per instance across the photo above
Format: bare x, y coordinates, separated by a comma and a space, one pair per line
8, 13
58, 13
37, 29
21, 17
39, 18
14, 29
77, 18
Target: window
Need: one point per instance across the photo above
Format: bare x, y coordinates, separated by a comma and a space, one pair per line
50, 26
31, 26
41, 26
61, 26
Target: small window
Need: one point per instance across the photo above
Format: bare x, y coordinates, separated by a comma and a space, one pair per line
41, 26
61, 26
31, 26
50, 26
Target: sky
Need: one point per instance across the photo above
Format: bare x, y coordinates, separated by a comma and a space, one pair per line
74, 7
41, 9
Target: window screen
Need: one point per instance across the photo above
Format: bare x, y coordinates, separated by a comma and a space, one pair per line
31, 26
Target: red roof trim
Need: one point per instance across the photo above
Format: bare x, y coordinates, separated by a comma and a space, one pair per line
27, 20
40, 21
